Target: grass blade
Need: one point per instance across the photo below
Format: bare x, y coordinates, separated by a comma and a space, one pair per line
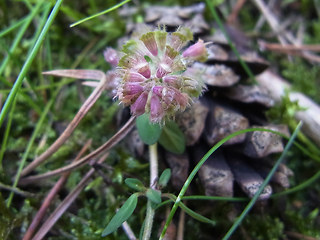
242, 63
30, 143
200, 163
18, 38
28, 62
99, 14
263, 185
13, 26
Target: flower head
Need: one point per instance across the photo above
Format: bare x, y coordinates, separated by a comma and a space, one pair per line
153, 76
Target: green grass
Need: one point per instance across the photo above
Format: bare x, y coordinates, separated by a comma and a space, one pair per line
35, 36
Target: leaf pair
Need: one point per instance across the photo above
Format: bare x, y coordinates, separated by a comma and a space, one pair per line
169, 136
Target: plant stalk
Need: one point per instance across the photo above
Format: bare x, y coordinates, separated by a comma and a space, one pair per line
153, 178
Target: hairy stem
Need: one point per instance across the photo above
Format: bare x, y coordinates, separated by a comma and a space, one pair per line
153, 178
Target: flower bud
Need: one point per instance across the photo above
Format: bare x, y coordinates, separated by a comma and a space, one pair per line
135, 77
132, 89
111, 56
138, 107
196, 51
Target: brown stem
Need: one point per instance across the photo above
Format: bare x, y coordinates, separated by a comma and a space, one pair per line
47, 201
289, 47
235, 11
65, 204
105, 147
68, 131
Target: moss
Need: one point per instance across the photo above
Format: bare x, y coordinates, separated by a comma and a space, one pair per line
304, 78
263, 227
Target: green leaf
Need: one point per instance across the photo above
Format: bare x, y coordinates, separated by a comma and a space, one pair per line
122, 215
135, 184
195, 215
147, 58
165, 177
148, 132
172, 138
154, 196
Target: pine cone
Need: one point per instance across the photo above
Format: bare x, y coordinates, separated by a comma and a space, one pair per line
228, 105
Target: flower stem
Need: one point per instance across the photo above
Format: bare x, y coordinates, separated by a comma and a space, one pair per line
153, 177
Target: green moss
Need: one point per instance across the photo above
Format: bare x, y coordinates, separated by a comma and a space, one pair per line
306, 224
263, 227
304, 78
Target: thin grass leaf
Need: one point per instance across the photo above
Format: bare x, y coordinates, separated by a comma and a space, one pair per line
100, 13
263, 185
200, 163
122, 215
13, 27
195, 215
18, 39
30, 143
43, 87
236, 52
299, 187
6, 134
28, 62
187, 210
201, 197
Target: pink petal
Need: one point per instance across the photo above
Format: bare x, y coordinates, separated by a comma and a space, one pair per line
150, 42
132, 89
145, 71
157, 90
156, 109
172, 80
135, 77
163, 69
138, 107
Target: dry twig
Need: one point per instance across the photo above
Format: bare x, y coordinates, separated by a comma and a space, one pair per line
235, 12
65, 204
47, 201
82, 74
103, 148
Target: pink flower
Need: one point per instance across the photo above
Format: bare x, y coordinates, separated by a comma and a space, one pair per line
153, 73
196, 51
111, 56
